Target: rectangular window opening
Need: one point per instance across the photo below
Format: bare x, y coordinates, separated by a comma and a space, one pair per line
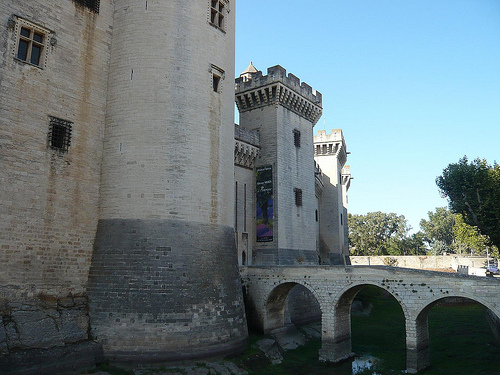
59, 136
93, 5
215, 82
298, 196
217, 10
31, 43
296, 138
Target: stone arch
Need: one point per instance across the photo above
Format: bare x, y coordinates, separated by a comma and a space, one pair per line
275, 304
432, 301
336, 339
356, 287
418, 353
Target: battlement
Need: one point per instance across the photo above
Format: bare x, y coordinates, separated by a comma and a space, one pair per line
335, 136
254, 90
331, 144
278, 74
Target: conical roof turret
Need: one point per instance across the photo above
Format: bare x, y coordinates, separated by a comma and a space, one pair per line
251, 69
247, 73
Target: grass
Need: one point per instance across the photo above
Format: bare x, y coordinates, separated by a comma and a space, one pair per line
461, 341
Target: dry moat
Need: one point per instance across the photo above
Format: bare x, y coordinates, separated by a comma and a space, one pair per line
461, 343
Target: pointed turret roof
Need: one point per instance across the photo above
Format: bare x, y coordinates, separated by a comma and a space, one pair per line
251, 69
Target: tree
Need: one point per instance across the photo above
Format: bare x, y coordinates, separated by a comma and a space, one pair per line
473, 190
377, 233
469, 237
438, 230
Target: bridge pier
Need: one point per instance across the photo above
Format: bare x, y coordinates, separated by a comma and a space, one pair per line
336, 332
417, 344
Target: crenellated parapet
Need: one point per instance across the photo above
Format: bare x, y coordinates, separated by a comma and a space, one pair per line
331, 144
346, 177
254, 90
246, 147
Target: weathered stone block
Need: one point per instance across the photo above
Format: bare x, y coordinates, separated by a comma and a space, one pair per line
13, 341
73, 326
36, 329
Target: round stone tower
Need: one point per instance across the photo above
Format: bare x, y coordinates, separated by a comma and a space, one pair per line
164, 282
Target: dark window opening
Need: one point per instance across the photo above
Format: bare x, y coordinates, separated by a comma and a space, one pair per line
298, 196
317, 215
296, 138
59, 137
215, 82
93, 5
341, 219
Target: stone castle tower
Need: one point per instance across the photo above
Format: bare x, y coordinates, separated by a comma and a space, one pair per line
330, 154
117, 167
166, 218
283, 111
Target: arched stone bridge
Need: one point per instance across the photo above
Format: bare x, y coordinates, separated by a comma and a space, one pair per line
266, 291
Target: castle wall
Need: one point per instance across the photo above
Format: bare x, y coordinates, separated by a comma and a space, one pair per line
49, 198
295, 170
164, 282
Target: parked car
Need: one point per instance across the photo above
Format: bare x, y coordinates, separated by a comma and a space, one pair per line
492, 270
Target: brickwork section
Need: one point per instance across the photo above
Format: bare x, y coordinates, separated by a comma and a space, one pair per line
165, 290
334, 288
164, 282
49, 199
168, 150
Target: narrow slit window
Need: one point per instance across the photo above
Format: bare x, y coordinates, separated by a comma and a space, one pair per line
217, 77
215, 82
298, 196
296, 138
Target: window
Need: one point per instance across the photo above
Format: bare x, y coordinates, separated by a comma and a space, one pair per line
31, 43
236, 206
245, 207
59, 137
298, 196
217, 77
215, 82
296, 138
93, 5
217, 10
317, 215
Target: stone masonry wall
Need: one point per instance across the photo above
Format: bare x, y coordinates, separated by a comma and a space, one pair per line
49, 199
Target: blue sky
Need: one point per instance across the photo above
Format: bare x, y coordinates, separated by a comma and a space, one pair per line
413, 84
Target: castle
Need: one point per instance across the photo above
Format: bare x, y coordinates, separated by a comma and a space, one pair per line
129, 197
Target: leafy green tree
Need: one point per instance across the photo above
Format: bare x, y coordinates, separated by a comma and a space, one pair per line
414, 244
469, 237
473, 190
438, 230
377, 233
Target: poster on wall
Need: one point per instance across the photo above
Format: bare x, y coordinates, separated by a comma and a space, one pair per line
265, 219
